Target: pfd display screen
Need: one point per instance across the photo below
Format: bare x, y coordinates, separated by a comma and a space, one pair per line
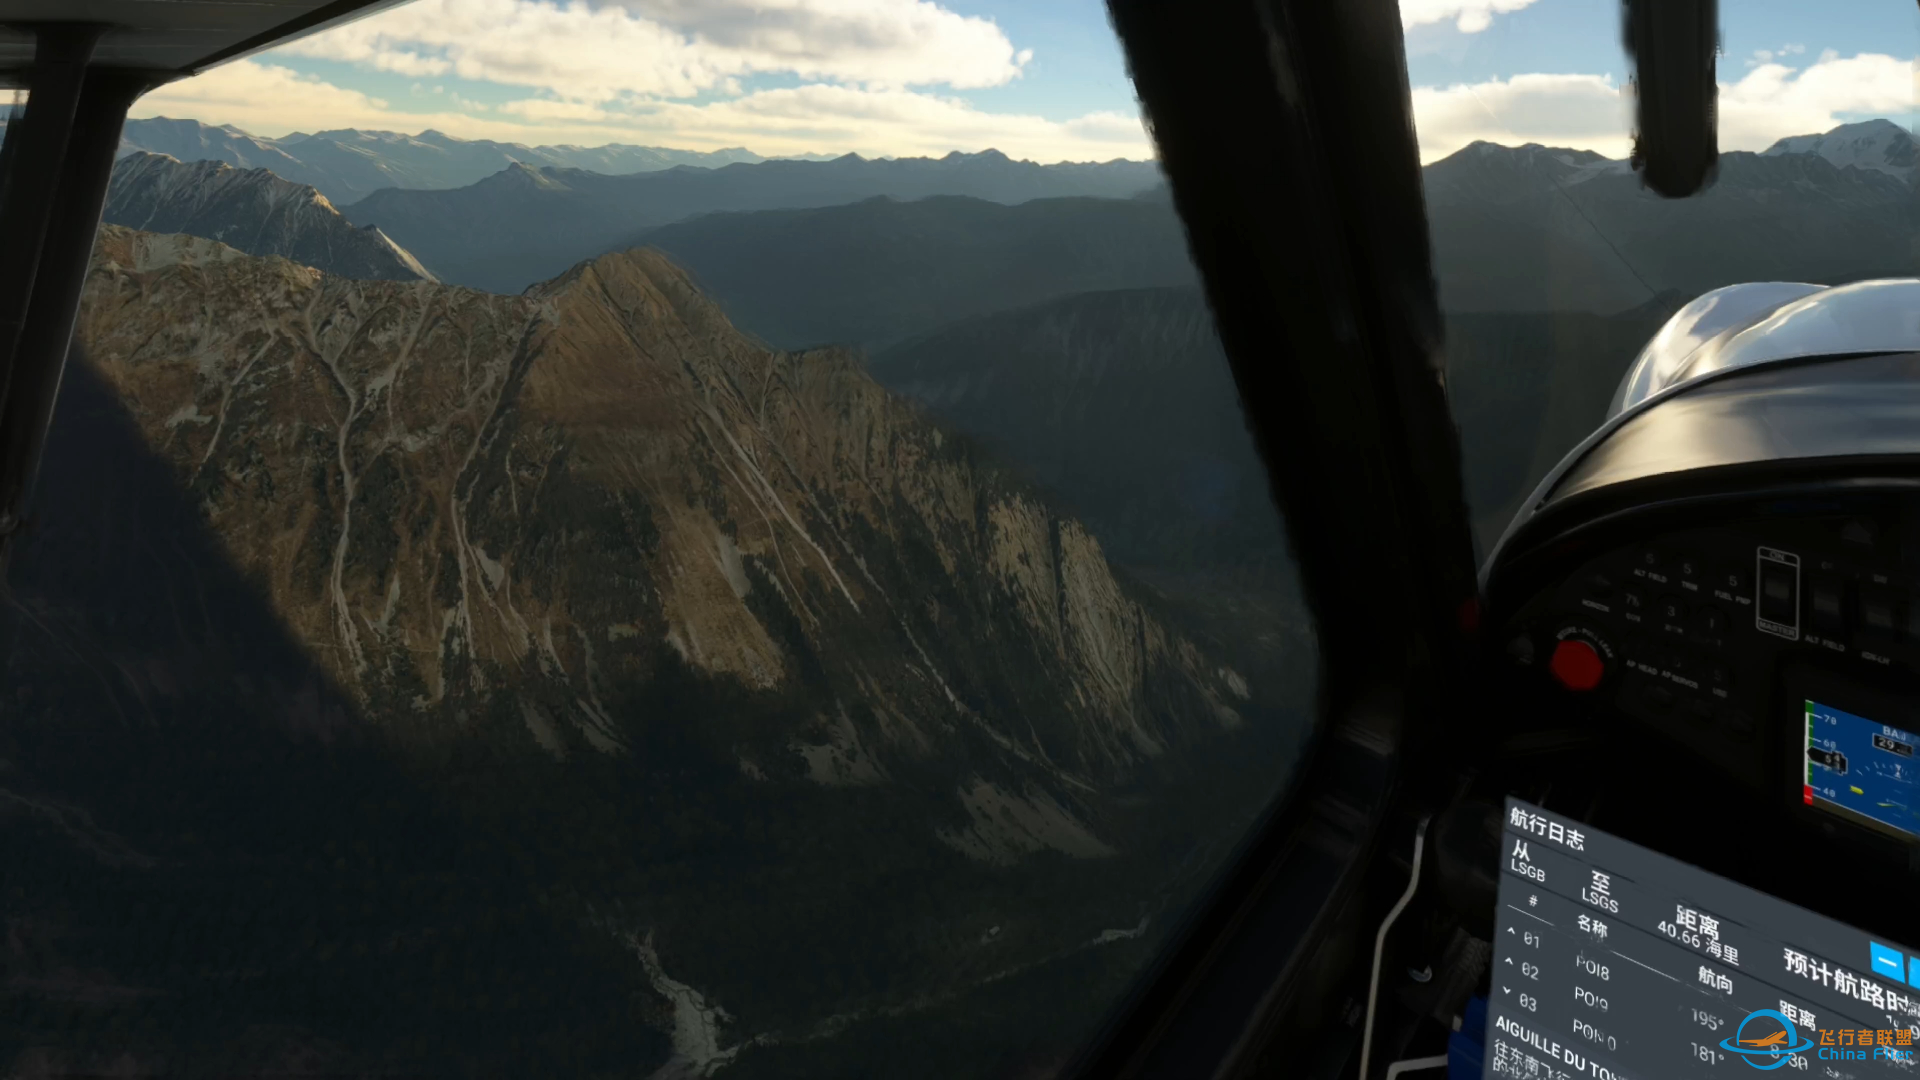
1613, 962
1862, 769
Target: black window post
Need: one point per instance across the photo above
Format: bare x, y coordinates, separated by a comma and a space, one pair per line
1286, 132
57, 164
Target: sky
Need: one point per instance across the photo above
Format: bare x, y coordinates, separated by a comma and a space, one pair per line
1038, 79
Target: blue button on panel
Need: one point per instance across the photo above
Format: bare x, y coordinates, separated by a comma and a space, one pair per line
1891, 963
1913, 976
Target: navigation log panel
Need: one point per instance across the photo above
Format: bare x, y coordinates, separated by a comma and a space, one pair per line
1613, 962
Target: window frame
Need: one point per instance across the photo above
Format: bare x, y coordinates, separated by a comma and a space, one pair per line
1286, 132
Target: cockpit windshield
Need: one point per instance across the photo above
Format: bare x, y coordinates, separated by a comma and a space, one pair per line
587, 539
623, 537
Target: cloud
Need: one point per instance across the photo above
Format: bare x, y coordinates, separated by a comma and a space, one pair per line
1586, 112
546, 110
902, 42
1469, 16
675, 48
263, 99
902, 123
1591, 112
270, 100
1773, 101
1763, 56
878, 77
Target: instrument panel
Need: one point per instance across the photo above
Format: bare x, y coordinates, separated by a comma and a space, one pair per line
1781, 653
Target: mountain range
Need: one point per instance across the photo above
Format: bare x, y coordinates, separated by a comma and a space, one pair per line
348, 164
1526, 228
405, 678
875, 272
1513, 229
542, 220
254, 211
1538, 229
1527, 241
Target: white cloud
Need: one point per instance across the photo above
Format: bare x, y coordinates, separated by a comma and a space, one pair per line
1590, 112
878, 77
1773, 101
675, 48
263, 99
1586, 112
270, 100
547, 110
902, 124
1469, 16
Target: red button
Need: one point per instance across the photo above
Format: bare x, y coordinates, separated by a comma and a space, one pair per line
1577, 665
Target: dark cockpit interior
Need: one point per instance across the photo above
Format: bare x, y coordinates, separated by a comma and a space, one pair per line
1633, 796
1701, 638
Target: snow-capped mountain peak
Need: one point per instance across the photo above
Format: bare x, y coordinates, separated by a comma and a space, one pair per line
1880, 145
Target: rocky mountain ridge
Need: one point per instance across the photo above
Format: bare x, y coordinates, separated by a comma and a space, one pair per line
255, 212
583, 680
725, 465
1530, 228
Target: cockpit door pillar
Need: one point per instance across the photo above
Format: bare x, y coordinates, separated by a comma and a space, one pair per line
1285, 129
54, 169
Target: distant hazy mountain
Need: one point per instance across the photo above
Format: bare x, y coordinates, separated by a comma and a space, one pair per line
1514, 228
1538, 229
1066, 389
541, 221
348, 164
875, 272
1879, 145
254, 211
191, 140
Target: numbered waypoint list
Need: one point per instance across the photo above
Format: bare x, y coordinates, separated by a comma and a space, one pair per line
1613, 962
